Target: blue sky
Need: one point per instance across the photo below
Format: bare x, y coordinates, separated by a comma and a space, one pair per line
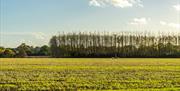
35, 21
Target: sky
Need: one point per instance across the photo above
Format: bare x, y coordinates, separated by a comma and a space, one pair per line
34, 22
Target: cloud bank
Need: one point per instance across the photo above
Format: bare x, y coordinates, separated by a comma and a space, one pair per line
37, 35
115, 3
177, 7
140, 21
172, 25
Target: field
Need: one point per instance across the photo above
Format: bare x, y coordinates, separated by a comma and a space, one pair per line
90, 74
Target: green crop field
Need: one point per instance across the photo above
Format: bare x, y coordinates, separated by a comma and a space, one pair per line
90, 74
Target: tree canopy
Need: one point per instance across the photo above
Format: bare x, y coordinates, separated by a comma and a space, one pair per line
24, 50
114, 45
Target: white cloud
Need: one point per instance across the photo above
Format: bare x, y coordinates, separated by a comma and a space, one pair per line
122, 3
29, 42
95, 3
172, 25
141, 5
140, 21
177, 7
37, 35
115, 3
163, 23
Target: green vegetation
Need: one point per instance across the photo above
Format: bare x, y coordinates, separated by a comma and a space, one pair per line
24, 50
101, 45
124, 44
90, 74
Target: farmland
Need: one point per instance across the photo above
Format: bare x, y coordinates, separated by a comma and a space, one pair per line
90, 74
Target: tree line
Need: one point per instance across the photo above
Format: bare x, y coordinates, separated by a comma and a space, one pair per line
101, 45
115, 45
24, 50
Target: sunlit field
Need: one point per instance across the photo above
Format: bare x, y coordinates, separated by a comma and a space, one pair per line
90, 74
